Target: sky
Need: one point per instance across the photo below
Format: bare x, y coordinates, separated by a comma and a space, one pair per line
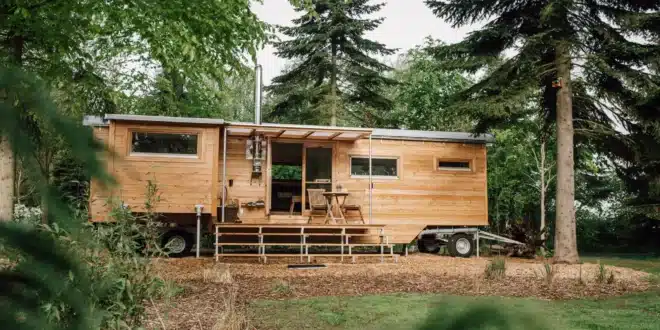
406, 24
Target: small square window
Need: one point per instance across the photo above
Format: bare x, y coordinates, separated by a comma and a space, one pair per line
454, 165
380, 167
164, 143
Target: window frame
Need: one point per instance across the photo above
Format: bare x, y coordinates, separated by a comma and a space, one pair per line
173, 156
379, 177
437, 168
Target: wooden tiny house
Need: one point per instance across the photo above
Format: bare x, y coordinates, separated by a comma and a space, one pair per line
406, 180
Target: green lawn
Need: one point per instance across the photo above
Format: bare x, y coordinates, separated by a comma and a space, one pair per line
410, 311
648, 264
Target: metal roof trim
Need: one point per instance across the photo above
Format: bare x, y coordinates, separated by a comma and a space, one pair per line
402, 134
95, 121
377, 133
166, 119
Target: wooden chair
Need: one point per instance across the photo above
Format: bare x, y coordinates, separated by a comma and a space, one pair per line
294, 200
354, 202
316, 202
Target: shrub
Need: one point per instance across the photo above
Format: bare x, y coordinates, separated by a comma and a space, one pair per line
604, 276
496, 268
27, 215
116, 259
282, 287
549, 272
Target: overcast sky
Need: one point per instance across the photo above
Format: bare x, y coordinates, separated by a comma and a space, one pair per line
407, 23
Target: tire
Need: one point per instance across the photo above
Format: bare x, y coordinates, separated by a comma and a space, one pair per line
461, 245
177, 243
428, 245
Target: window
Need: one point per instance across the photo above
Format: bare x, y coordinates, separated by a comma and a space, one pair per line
454, 165
380, 167
164, 143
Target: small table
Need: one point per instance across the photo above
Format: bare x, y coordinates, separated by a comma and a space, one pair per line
328, 199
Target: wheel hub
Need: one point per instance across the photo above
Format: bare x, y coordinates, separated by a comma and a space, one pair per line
463, 246
176, 244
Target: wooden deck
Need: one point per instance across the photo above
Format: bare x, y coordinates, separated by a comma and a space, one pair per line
302, 236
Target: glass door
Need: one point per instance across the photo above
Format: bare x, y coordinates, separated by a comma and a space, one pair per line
318, 169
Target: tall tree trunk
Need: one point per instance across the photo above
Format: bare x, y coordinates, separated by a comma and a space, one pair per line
565, 237
333, 86
542, 171
7, 167
15, 43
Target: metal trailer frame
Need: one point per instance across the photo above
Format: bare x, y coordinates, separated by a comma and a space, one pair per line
443, 234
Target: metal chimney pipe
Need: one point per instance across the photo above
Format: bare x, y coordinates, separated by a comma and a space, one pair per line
258, 73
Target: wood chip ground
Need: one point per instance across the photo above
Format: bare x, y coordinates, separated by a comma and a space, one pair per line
207, 284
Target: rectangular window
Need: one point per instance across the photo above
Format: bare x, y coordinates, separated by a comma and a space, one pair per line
164, 143
454, 165
380, 167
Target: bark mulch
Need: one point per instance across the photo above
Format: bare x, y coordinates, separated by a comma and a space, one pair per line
207, 284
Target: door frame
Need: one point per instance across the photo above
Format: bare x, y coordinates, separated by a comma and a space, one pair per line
315, 144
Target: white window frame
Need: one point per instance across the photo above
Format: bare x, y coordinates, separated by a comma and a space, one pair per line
366, 176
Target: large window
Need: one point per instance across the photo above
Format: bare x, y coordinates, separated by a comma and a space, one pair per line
164, 143
380, 167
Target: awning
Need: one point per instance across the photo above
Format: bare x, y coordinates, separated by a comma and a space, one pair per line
309, 132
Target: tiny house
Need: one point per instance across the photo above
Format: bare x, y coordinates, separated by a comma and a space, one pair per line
269, 177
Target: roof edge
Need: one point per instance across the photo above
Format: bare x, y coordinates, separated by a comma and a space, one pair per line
165, 119
95, 121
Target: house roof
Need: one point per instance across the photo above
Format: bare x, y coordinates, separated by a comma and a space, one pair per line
313, 132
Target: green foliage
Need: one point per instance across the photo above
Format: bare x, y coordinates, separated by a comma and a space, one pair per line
549, 273
334, 65
286, 172
283, 288
496, 269
422, 97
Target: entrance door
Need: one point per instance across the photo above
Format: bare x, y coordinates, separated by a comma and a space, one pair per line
318, 169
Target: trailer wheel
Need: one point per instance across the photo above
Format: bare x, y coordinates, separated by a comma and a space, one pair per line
461, 245
428, 245
177, 243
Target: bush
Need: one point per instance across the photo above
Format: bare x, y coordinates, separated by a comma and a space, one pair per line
27, 215
496, 268
116, 262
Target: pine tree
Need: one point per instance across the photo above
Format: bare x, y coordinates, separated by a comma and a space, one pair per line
583, 61
335, 64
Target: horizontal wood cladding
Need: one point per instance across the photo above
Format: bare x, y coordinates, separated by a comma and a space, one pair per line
98, 194
182, 182
421, 195
244, 187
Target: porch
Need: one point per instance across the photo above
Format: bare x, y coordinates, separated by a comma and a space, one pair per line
268, 172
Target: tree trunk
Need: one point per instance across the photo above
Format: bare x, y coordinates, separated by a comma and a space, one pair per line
542, 171
565, 237
7, 160
7, 167
333, 86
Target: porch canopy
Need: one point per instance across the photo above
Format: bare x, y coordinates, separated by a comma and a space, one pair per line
309, 132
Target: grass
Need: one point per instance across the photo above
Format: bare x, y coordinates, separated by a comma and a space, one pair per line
649, 264
410, 311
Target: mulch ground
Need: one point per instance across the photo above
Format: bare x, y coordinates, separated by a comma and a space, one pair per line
209, 287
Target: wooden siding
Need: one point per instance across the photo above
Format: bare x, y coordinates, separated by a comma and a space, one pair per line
244, 188
422, 195
98, 194
182, 182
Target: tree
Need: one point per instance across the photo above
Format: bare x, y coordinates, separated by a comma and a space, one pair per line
553, 42
84, 51
422, 97
334, 61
